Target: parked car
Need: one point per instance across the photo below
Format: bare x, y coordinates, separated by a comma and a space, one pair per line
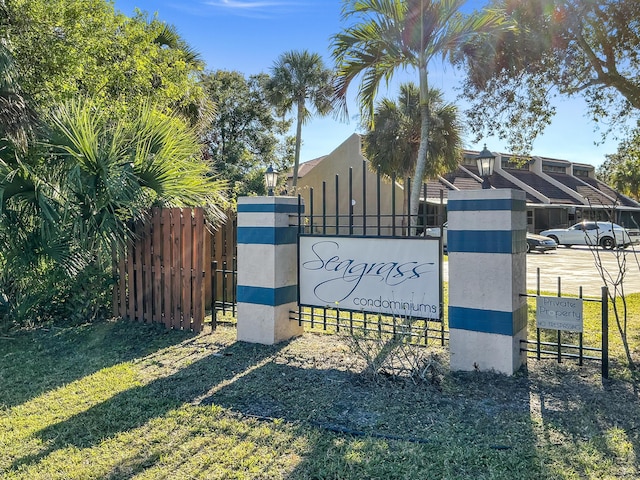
540, 243
435, 232
534, 242
605, 234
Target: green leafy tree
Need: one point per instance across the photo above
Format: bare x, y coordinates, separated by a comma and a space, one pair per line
17, 118
389, 35
245, 136
622, 169
392, 144
570, 48
301, 82
64, 49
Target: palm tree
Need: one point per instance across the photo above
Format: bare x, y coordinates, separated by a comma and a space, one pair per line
393, 142
115, 170
400, 34
298, 78
198, 110
71, 200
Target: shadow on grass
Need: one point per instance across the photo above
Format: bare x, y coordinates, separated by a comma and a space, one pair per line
137, 406
551, 422
472, 428
580, 412
33, 362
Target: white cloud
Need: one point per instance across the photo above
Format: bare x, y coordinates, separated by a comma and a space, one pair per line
246, 4
254, 7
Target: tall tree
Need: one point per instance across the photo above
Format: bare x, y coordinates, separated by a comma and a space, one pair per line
392, 144
300, 81
245, 136
389, 35
17, 117
570, 48
64, 49
622, 169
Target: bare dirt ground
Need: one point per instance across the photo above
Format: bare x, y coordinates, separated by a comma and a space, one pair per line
317, 379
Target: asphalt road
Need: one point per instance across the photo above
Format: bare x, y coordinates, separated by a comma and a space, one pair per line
576, 267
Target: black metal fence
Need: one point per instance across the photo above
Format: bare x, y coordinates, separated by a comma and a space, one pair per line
561, 345
378, 210
224, 280
360, 206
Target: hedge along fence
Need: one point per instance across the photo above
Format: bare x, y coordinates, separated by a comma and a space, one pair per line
161, 275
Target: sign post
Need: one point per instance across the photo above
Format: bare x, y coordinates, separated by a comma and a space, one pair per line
267, 288
487, 274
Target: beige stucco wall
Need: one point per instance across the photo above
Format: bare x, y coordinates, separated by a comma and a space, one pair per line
348, 156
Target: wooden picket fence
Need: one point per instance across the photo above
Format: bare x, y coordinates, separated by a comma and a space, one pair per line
161, 274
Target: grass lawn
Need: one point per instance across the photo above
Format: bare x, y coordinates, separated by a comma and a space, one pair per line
121, 400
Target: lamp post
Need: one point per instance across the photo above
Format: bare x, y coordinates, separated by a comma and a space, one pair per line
486, 161
270, 180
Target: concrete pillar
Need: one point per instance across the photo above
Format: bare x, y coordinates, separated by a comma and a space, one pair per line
487, 273
267, 269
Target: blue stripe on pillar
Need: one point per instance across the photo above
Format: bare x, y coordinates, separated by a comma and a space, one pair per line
486, 241
267, 296
488, 321
487, 204
269, 208
268, 235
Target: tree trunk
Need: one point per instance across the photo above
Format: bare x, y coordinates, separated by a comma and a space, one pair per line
421, 161
296, 163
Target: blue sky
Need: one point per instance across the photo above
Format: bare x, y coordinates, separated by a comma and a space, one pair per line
248, 36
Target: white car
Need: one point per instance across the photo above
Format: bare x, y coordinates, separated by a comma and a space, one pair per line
605, 234
435, 232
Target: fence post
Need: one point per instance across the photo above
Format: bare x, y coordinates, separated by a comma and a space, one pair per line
267, 269
605, 332
487, 274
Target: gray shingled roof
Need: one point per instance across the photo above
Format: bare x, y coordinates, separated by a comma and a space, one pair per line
622, 200
553, 193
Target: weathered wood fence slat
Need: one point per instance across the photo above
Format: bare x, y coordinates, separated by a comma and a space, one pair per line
160, 275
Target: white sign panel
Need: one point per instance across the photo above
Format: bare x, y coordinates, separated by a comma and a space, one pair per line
559, 313
382, 275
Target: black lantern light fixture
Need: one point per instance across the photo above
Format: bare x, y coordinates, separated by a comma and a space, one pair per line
270, 179
486, 161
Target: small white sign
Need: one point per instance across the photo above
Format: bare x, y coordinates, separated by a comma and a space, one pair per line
559, 313
380, 275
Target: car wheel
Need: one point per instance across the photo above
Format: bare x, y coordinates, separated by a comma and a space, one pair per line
555, 239
607, 243
528, 247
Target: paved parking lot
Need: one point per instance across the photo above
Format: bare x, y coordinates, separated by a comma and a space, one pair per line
576, 267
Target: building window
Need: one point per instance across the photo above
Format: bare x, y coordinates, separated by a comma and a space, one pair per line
579, 172
512, 163
553, 168
469, 161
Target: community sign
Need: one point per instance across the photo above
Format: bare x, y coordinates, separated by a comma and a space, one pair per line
395, 276
559, 313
